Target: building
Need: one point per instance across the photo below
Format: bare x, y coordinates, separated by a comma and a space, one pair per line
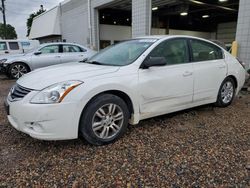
99, 23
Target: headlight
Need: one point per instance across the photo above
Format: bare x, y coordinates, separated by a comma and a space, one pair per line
3, 61
55, 93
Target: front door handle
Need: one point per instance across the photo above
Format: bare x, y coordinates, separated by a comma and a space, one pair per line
187, 73
58, 56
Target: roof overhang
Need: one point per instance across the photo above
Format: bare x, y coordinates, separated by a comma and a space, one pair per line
46, 24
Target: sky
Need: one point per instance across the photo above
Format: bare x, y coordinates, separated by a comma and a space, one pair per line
17, 12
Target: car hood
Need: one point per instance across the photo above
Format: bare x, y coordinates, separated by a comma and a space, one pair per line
44, 77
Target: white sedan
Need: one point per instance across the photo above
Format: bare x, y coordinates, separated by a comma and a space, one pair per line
125, 83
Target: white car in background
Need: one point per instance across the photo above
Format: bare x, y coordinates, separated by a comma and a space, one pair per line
8, 47
125, 83
45, 55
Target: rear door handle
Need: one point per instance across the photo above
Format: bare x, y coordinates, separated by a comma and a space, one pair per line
187, 73
57, 56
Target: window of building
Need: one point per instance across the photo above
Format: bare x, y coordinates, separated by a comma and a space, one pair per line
203, 51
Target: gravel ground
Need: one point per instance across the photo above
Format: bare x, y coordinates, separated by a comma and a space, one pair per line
201, 147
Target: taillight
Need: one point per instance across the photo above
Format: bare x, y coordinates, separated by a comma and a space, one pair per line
242, 63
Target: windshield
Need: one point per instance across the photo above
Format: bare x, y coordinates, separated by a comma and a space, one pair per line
33, 49
123, 53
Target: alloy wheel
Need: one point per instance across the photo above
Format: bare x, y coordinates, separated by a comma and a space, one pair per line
107, 121
18, 70
227, 92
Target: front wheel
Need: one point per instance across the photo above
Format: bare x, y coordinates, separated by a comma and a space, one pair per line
226, 93
104, 120
17, 70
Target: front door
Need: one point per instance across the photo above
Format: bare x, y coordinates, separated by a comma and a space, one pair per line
167, 88
50, 55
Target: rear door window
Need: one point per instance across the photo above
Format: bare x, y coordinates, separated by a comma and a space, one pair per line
204, 51
72, 49
13, 45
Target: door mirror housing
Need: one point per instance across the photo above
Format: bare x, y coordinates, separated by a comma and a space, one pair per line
38, 53
153, 62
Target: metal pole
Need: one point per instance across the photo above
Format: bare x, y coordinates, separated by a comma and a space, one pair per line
4, 18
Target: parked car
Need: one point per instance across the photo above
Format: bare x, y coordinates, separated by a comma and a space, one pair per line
125, 83
45, 55
17, 46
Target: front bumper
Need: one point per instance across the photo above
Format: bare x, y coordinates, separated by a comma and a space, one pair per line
44, 121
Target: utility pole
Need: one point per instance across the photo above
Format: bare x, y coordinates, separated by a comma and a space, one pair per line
4, 18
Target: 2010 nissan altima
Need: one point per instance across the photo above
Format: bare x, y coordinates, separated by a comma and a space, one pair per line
125, 83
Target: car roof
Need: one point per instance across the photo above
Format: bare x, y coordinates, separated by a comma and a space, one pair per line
168, 36
61, 43
162, 37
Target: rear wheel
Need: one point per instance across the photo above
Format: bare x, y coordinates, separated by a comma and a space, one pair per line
226, 93
104, 120
17, 70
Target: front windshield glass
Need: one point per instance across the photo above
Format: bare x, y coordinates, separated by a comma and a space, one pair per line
123, 53
33, 50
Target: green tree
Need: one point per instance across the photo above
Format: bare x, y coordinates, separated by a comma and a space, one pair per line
9, 31
31, 17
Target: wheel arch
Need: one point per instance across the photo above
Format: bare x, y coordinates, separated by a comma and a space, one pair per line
234, 79
125, 97
26, 64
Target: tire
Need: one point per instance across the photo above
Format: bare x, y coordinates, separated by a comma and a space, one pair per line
17, 70
227, 88
104, 120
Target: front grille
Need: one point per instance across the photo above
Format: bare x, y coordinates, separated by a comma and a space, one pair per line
18, 92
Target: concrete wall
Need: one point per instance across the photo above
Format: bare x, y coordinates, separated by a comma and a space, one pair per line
226, 32
115, 33
74, 22
243, 31
95, 5
118, 33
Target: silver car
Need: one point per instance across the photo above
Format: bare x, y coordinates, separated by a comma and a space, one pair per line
45, 55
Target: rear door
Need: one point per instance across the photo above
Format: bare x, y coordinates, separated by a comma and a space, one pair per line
72, 53
50, 55
209, 69
167, 88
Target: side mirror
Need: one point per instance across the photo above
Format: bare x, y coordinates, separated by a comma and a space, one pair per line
154, 61
248, 71
37, 53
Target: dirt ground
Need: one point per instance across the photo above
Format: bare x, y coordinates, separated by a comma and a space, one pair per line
201, 147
